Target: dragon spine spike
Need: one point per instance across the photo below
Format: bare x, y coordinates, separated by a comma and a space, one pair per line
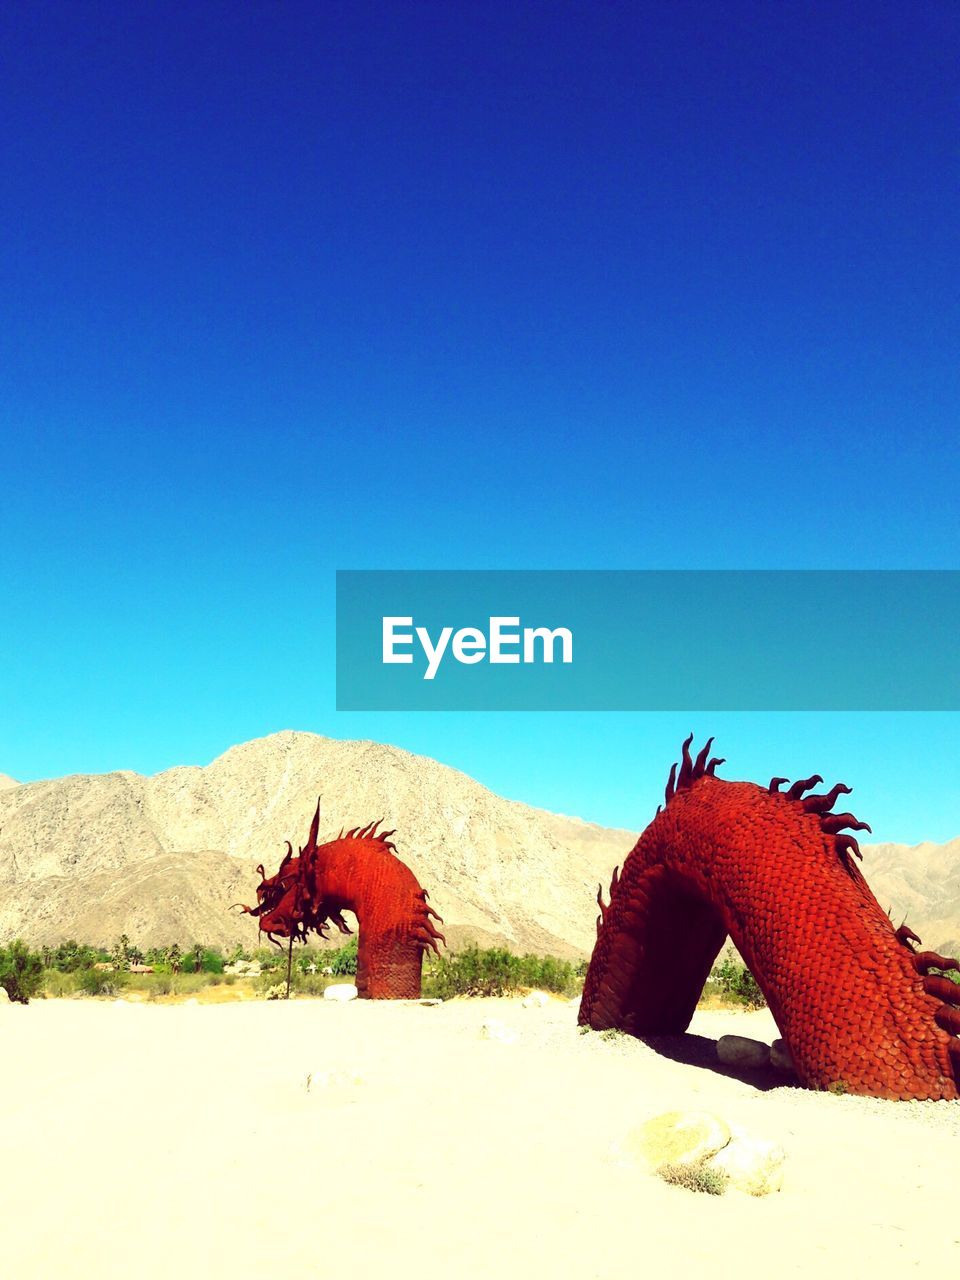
686, 765
700, 764
671, 784
848, 992
798, 788
714, 765
824, 803
942, 988
847, 844
831, 823
927, 960
905, 935
776, 784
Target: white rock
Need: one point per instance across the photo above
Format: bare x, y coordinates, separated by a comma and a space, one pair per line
535, 1000
332, 1081
780, 1057
741, 1051
493, 1029
4, 998
341, 992
676, 1137
753, 1165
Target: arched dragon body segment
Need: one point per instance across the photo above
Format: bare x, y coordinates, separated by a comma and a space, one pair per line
855, 1003
358, 872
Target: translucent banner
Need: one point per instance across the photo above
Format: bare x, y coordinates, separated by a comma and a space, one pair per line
743, 640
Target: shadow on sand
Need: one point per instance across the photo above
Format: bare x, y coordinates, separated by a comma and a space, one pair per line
701, 1051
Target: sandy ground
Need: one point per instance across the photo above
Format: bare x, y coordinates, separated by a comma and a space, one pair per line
144, 1141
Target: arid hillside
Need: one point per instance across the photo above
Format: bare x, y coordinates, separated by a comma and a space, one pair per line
162, 858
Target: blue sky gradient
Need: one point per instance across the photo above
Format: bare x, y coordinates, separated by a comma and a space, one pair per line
297, 287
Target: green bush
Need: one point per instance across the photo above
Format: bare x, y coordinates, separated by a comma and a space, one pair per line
736, 983
694, 1177
101, 982
21, 971
496, 972
343, 961
58, 985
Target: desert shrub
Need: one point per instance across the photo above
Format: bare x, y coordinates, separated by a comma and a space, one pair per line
496, 972
188, 984
736, 983
21, 971
312, 984
101, 982
694, 1177
58, 985
343, 961
200, 959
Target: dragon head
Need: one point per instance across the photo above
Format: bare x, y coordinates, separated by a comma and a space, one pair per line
283, 907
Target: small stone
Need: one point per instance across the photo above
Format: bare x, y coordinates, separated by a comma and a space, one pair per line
753, 1165
535, 1000
741, 1051
780, 1058
336, 1082
492, 1029
4, 997
678, 1138
341, 992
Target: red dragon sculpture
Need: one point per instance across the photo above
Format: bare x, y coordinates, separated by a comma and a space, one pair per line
859, 1007
357, 872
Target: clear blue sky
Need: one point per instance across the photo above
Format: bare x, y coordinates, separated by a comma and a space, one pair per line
291, 287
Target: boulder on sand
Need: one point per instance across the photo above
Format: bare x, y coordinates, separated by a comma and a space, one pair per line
753, 1165
677, 1138
780, 1058
341, 992
741, 1051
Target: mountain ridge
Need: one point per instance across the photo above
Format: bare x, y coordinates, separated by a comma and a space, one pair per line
161, 857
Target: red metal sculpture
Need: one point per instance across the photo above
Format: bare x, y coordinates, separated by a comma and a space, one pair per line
859, 1007
357, 872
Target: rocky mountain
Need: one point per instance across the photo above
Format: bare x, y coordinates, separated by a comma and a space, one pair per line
162, 858
919, 883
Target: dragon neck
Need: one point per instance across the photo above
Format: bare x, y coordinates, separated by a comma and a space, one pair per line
852, 1000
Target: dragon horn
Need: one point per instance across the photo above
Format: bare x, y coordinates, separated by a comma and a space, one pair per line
314, 830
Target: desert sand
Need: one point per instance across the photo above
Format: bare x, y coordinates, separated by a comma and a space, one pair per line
146, 1140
